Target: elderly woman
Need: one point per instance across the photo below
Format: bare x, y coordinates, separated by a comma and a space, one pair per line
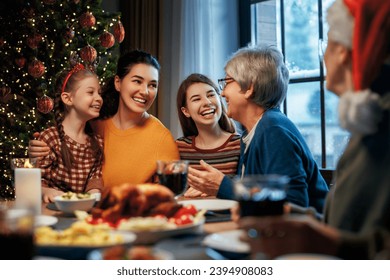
358, 209
254, 87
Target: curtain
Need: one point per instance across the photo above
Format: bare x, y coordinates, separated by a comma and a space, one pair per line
141, 20
199, 36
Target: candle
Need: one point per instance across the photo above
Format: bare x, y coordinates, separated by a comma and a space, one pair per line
28, 188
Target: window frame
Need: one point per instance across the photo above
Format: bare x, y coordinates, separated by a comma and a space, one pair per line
245, 38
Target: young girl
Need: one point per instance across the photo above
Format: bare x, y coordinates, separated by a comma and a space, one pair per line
209, 134
75, 157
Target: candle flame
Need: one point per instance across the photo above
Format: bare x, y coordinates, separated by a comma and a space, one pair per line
27, 164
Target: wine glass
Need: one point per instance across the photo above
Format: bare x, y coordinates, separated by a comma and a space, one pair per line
173, 175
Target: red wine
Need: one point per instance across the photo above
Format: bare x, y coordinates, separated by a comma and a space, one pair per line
176, 182
263, 203
16, 246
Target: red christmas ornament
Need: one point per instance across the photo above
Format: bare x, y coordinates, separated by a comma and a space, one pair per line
69, 34
119, 31
2, 41
87, 20
33, 40
88, 53
5, 94
45, 104
36, 68
32, 43
107, 39
28, 12
20, 61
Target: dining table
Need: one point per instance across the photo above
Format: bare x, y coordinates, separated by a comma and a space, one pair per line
188, 246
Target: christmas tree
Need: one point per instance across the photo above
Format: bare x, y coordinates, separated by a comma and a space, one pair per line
38, 39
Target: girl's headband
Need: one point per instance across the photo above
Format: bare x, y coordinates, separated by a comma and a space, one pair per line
78, 67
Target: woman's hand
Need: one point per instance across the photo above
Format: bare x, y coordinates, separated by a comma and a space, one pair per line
206, 181
286, 234
191, 192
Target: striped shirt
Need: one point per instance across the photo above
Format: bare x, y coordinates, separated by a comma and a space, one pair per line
86, 172
224, 158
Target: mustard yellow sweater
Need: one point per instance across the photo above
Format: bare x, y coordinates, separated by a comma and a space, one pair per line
130, 155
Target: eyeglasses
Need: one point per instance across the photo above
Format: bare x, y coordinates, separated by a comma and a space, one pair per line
223, 82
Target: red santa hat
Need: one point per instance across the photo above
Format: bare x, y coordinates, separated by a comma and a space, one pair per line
370, 40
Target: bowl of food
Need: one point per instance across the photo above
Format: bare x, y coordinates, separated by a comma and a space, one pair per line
70, 202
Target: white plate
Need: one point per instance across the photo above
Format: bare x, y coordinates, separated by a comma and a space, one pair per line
210, 204
228, 241
43, 220
152, 236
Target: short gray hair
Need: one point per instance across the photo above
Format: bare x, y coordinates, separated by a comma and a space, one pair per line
263, 67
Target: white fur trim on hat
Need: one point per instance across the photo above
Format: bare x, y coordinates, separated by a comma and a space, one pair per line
340, 23
360, 112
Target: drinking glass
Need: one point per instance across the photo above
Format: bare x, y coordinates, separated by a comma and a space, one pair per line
261, 195
16, 234
173, 175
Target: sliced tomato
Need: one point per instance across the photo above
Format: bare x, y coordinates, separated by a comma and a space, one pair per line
94, 221
186, 210
184, 220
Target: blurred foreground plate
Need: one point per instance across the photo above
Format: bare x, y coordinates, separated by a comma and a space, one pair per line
304, 256
210, 204
80, 252
153, 253
145, 237
228, 244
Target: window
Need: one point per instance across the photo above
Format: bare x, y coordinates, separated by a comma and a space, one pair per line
298, 28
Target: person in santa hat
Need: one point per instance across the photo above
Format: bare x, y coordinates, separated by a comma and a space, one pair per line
356, 221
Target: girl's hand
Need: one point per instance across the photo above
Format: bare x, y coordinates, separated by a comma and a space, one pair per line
37, 149
48, 194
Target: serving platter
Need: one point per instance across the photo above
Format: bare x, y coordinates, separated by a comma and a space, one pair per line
79, 252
